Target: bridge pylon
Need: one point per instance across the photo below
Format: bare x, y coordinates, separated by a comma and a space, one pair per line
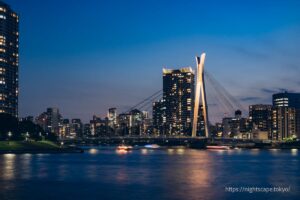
200, 89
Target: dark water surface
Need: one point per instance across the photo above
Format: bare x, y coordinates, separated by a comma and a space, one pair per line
104, 173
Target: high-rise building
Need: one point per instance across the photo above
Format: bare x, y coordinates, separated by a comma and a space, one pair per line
290, 100
124, 124
112, 117
178, 93
87, 130
136, 121
286, 99
64, 128
50, 120
54, 118
76, 127
236, 127
98, 126
146, 123
158, 118
283, 123
216, 130
9, 60
260, 116
227, 127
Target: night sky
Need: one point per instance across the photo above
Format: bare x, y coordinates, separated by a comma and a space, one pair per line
85, 56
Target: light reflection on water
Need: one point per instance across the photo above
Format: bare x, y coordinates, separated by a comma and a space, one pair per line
25, 164
122, 151
255, 152
93, 151
171, 173
144, 151
294, 152
9, 166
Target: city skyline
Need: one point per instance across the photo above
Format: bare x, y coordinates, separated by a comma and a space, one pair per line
149, 99
81, 72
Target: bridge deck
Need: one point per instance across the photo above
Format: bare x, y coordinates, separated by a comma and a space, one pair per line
196, 142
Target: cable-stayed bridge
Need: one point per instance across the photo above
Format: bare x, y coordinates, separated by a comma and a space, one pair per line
220, 102
216, 103
215, 100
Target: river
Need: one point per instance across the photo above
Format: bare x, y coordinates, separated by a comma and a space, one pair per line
148, 174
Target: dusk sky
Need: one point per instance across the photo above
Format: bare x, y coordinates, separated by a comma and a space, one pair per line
84, 56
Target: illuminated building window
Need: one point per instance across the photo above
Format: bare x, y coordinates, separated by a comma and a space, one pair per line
2, 50
2, 9
2, 42
2, 80
2, 70
2, 60
2, 96
2, 17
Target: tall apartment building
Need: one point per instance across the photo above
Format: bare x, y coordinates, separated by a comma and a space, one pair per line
9, 60
178, 93
283, 123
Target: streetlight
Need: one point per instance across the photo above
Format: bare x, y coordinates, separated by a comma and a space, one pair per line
9, 135
27, 136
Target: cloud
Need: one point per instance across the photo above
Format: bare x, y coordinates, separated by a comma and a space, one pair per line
275, 90
268, 91
250, 99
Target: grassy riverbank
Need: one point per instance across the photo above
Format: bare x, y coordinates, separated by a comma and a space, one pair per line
34, 147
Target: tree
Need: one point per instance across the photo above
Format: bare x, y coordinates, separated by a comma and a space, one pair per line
51, 137
21, 130
28, 127
8, 123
